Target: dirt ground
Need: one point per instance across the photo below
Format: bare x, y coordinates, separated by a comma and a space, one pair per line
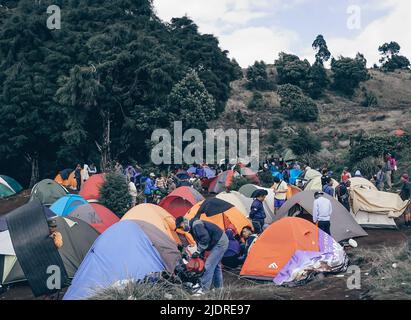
324, 288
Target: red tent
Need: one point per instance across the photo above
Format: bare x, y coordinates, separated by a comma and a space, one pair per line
178, 202
223, 180
90, 190
96, 215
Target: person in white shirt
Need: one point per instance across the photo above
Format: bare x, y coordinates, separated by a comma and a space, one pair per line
133, 193
85, 173
322, 211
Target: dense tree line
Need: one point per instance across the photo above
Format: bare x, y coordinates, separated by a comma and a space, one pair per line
95, 89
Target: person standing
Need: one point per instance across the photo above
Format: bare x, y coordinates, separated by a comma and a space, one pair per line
85, 173
209, 237
77, 176
328, 188
257, 213
393, 166
92, 170
345, 175
149, 188
343, 195
405, 195
322, 211
387, 171
132, 190
380, 178
280, 189
324, 178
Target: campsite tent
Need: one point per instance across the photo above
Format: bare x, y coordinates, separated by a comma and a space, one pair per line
124, 252
11, 183
376, 209
5, 191
96, 215
290, 251
90, 190
315, 184
248, 189
358, 182
219, 212
65, 205
161, 219
238, 200
294, 175
222, 181
311, 174
343, 224
77, 235
178, 202
47, 192
67, 179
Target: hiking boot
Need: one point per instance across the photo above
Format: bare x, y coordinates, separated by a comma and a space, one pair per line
200, 292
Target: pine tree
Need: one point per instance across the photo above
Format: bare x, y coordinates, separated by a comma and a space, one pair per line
114, 194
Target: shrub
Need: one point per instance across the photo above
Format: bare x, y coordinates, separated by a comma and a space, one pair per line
257, 77
272, 137
369, 99
114, 194
296, 105
305, 142
266, 178
240, 117
292, 70
367, 166
257, 102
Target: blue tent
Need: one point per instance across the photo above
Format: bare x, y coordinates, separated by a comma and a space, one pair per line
294, 174
122, 252
276, 173
65, 205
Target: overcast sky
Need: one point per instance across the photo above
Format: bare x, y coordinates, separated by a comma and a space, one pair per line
260, 29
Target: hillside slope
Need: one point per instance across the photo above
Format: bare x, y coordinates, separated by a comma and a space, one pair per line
340, 117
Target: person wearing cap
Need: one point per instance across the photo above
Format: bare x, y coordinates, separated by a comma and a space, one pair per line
257, 213
209, 237
322, 210
149, 188
54, 234
405, 195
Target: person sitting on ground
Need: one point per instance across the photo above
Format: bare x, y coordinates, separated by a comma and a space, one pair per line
322, 210
233, 253
328, 188
257, 213
249, 237
343, 195
405, 195
280, 189
345, 175
209, 237
54, 234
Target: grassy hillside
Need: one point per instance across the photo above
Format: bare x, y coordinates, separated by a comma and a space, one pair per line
340, 118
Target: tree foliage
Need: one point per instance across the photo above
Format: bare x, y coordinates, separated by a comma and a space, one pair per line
348, 73
320, 45
257, 77
296, 105
391, 60
305, 142
114, 194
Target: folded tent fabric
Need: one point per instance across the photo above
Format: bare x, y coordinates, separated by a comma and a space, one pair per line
343, 224
124, 252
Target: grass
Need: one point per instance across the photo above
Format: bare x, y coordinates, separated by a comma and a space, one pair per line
389, 272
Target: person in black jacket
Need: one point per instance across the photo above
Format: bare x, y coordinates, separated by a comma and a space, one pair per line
77, 175
257, 213
209, 237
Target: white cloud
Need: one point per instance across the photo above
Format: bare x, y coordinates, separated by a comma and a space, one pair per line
394, 26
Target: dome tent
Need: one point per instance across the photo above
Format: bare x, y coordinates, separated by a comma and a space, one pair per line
178, 202
11, 183
343, 224
124, 252
47, 192
291, 251
238, 200
5, 191
96, 215
65, 205
219, 212
90, 190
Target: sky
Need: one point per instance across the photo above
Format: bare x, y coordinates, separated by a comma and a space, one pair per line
260, 29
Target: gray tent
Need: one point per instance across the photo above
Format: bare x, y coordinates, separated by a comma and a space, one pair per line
47, 192
78, 238
343, 224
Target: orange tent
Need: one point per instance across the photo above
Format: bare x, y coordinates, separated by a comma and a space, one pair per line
160, 218
70, 182
275, 247
221, 213
292, 191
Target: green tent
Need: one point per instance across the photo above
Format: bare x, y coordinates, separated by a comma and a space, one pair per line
47, 192
5, 191
11, 183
